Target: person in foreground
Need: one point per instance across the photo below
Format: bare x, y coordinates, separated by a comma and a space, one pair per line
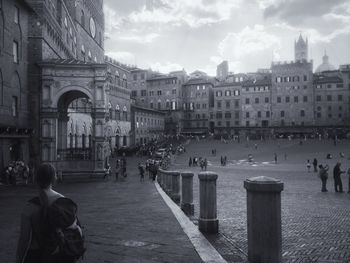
50, 231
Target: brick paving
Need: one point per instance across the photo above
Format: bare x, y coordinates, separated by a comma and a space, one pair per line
315, 225
125, 221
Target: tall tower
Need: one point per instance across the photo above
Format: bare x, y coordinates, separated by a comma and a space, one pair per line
301, 49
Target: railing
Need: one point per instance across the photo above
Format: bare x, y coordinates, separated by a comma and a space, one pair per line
75, 154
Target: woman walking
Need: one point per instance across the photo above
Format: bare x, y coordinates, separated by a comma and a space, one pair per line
324, 176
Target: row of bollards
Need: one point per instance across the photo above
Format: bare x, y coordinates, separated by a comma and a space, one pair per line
263, 209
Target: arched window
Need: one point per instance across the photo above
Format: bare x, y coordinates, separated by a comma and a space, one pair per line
117, 112
82, 19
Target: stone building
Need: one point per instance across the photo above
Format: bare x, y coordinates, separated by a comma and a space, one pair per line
331, 99
197, 99
222, 71
256, 102
225, 113
165, 94
292, 97
15, 127
147, 125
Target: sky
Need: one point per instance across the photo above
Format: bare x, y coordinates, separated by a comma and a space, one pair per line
168, 35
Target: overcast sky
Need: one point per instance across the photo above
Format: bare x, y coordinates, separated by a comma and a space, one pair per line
168, 35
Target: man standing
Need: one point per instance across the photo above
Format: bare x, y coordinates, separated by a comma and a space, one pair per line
314, 163
337, 179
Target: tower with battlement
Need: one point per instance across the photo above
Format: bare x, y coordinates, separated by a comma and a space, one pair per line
301, 49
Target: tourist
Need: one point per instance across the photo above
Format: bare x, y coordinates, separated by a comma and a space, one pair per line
142, 172
329, 156
255, 146
117, 169
338, 185
314, 163
323, 173
206, 164
308, 165
190, 162
275, 157
38, 240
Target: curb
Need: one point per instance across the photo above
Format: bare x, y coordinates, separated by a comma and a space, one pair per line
205, 250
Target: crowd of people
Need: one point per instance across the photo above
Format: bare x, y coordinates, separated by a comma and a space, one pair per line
17, 173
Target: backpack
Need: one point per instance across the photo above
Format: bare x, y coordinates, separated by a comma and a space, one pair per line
59, 241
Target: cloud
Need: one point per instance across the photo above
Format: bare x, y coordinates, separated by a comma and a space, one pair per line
247, 42
148, 38
296, 12
165, 68
194, 13
122, 56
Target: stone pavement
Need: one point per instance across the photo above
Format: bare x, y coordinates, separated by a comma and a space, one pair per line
125, 221
315, 225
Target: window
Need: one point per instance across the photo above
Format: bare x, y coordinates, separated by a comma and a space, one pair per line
296, 99
247, 115
256, 100
159, 105
247, 123
302, 113
287, 99
151, 105
219, 115
237, 114
143, 93
247, 101
16, 15
198, 106
236, 103
14, 106
227, 93
218, 104
159, 92
173, 91
279, 99
318, 114
219, 94
134, 93
259, 114
204, 106
15, 52
228, 124
135, 77
228, 115
267, 114
329, 86
236, 93
305, 78
266, 99
82, 18
228, 104
305, 99
219, 123
329, 97
282, 114
340, 97
318, 98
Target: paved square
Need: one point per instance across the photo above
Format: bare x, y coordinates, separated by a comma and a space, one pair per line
315, 225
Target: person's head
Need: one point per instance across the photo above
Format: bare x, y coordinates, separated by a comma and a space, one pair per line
46, 175
320, 166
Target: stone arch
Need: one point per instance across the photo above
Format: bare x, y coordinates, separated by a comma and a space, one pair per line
74, 91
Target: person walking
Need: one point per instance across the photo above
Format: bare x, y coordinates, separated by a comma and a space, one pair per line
46, 222
314, 163
206, 165
308, 165
190, 162
338, 185
117, 169
142, 172
323, 173
275, 157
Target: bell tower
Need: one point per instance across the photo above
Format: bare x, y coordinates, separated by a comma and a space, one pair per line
301, 49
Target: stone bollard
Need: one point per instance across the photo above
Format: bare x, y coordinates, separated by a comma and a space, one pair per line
264, 219
167, 182
187, 193
175, 186
207, 222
